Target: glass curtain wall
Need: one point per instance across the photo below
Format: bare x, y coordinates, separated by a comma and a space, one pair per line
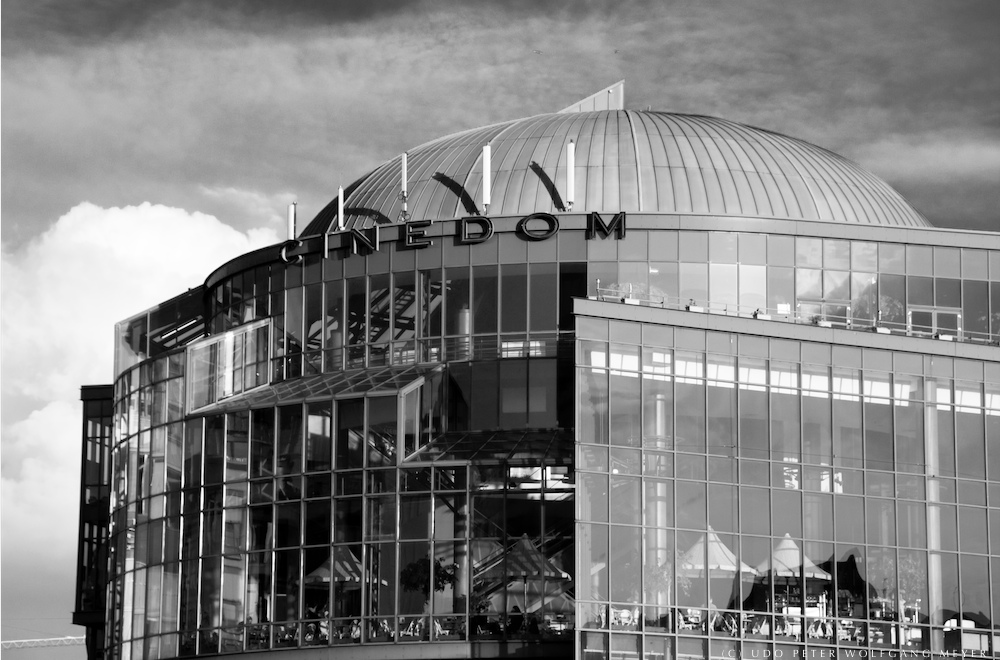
739, 494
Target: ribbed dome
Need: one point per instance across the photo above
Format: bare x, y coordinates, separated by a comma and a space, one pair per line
626, 160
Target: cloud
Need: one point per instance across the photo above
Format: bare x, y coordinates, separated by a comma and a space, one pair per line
967, 158
62, 294
64, 291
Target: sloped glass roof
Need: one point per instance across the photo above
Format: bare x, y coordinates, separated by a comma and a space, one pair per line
553, 447
626, 160
320, 386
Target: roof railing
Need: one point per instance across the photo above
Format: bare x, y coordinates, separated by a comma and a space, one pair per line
626, 293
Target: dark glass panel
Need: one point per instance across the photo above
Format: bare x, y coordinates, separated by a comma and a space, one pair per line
542, 292
625, 408
431, 289
850, 519
836, 285
881, 522
405, 306
382, 431
722, 248
753, 289
215, 451
809, 252
347, 519
971, 461
891, 308
211, 596
693, 246
754, 441
975, 588
691, 505
721, 414
625, 577
593, 405
513, 297
414, 516
911, 520
657, 402
262, 443
785, 430
972, 529
693, 283
723, 512
753, 249
287, 525
349, 439
458, 317
847, 430
878, 434
864, 256
975, 311
380, 581
993, 454
780, 290
237, 446
601, 275
945, 441
809, 283
818, 512
319, 436
920, 290
313, 323
912, 589
852, 586
817, 438
289, 448
484, 299
593, 542
572, 284
543, 389
919, 260
626, 500
593, 497
788, 512
909, 436
664, 280
317, 522
513, 394
357, 308
723, 293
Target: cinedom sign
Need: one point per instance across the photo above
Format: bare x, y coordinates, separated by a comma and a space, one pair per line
479, 229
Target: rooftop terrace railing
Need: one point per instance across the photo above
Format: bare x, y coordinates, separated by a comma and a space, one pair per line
801, 313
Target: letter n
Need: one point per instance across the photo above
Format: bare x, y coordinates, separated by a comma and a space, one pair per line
596, 225
364, 241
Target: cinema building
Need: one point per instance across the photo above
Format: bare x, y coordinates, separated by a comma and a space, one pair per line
669, 387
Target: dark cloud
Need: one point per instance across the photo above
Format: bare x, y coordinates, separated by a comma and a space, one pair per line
48, 24
121, 102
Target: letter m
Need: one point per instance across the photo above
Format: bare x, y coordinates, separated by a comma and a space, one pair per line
596, 225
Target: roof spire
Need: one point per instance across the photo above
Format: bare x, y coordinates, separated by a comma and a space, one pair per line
609, 98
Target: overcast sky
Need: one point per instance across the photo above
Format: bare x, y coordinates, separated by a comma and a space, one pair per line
167, 137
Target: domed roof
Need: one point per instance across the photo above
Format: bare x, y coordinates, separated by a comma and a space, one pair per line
625, 160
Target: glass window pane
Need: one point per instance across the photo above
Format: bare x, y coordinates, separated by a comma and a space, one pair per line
484, 299
513, 298
543, 296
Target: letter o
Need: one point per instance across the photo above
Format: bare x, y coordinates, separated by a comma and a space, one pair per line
535, 235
